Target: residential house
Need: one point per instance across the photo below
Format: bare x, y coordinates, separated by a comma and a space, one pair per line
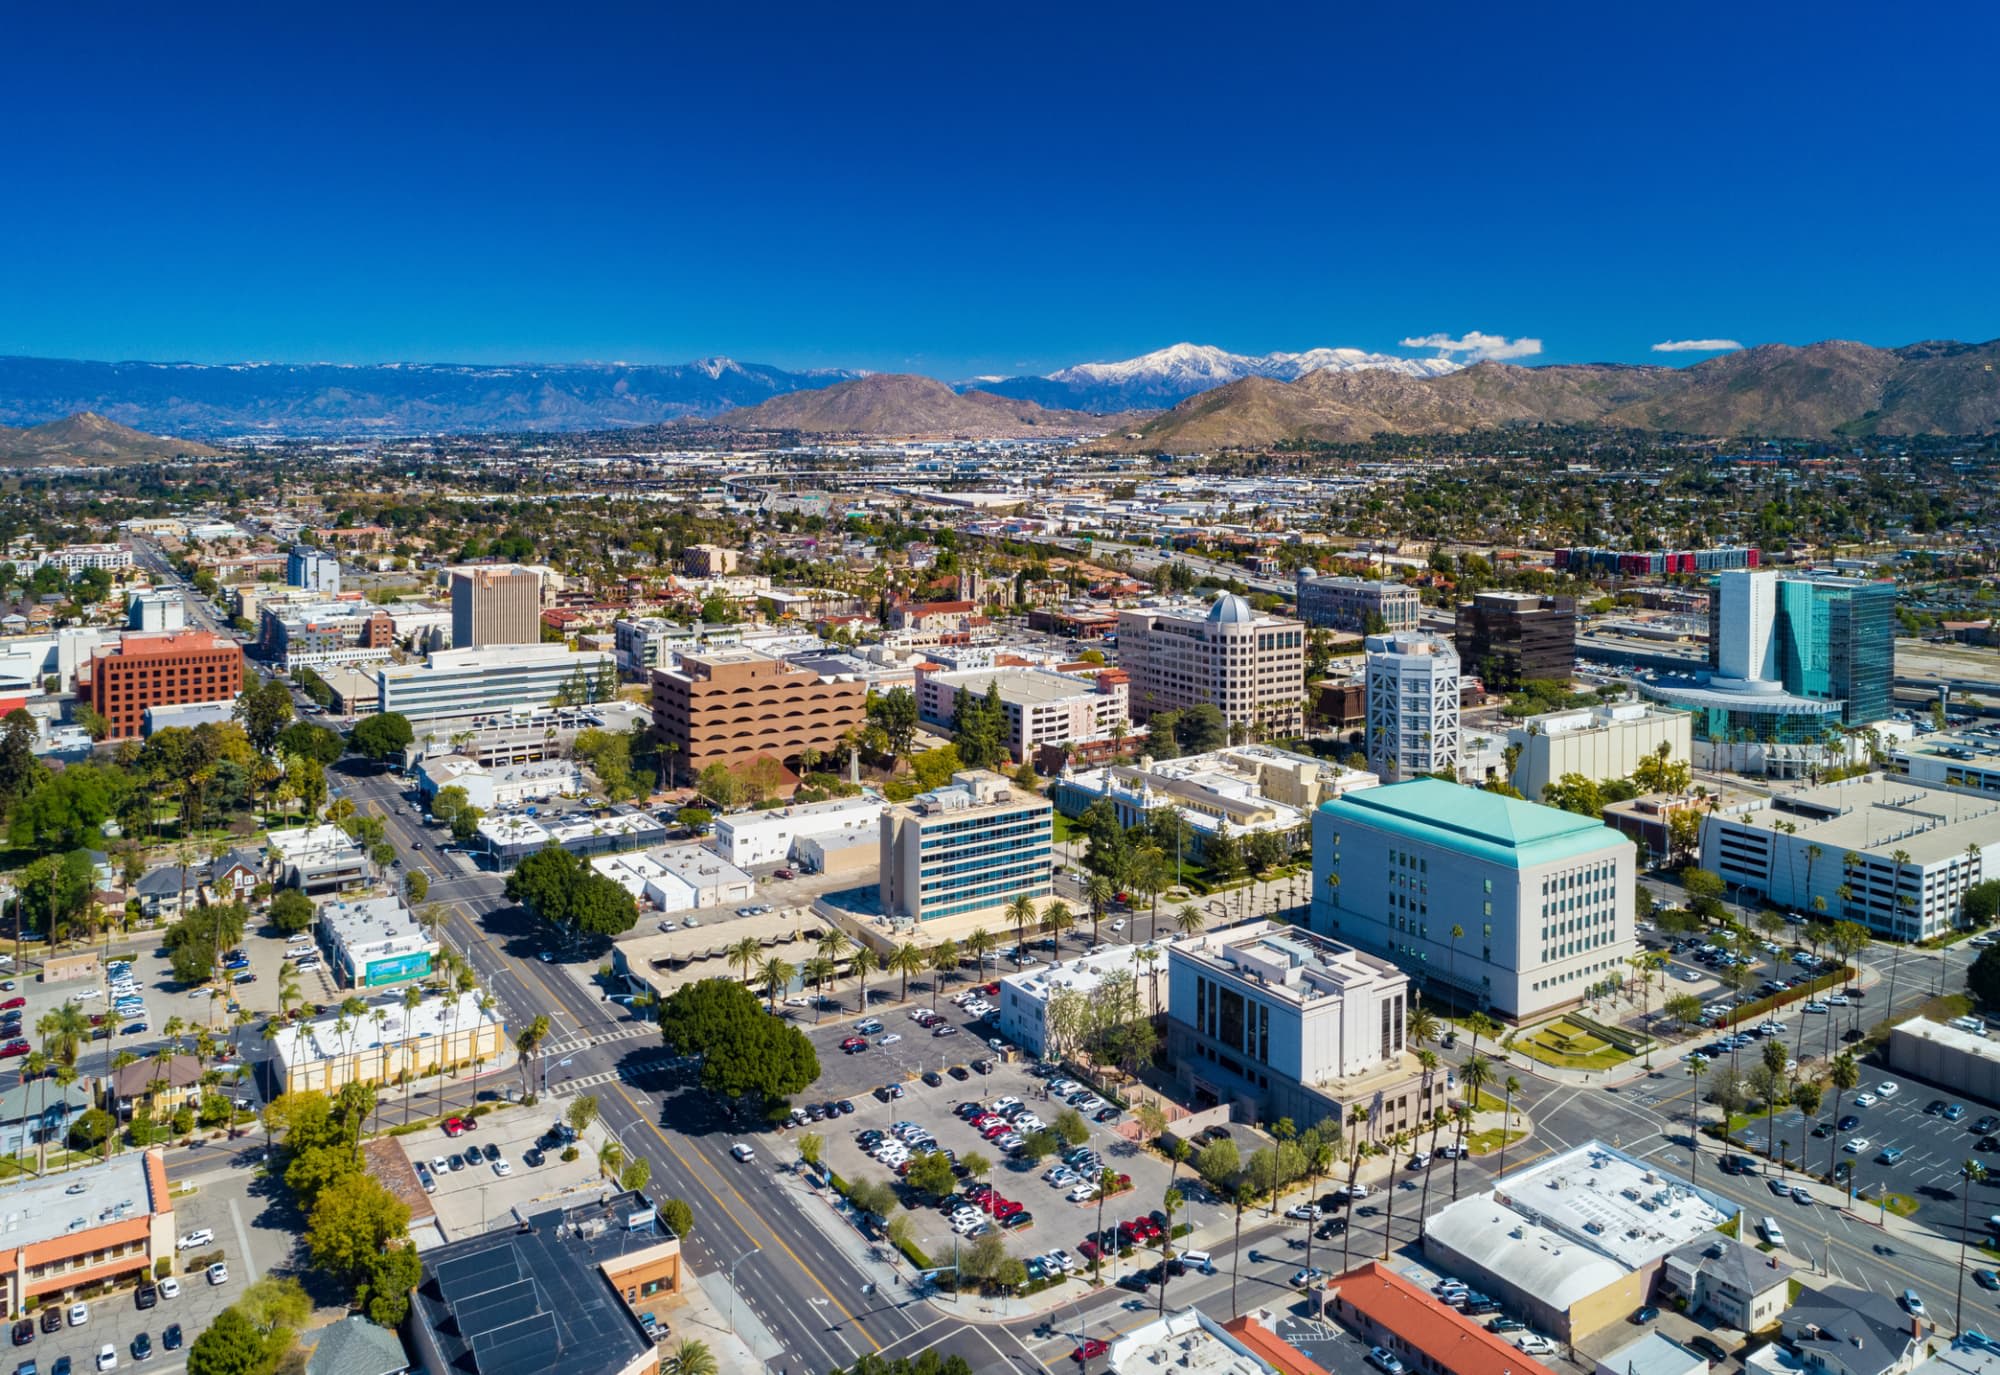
178, 1083
236, 875
163, 891
1737, 1284
1846, 1331
356, 1346
40, 1110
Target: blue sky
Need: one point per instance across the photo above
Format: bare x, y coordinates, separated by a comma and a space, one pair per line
989, 189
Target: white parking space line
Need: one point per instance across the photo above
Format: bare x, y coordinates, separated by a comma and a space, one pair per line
242, 1240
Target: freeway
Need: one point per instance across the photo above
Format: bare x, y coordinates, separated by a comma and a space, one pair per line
807, 1296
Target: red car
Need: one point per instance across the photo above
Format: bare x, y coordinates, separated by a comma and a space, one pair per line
457, 1126
990, 990
975, 1192
1088, 1349
854, 1043
1145, 1228
16, 1001
1005, 1209
13, 1049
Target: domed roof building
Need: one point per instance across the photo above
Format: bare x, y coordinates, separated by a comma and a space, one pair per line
1249, 666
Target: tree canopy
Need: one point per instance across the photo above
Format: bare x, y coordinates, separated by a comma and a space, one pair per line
383, 737
743, 1049
564, 891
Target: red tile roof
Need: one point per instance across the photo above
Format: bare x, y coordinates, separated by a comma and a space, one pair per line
1272, 1349
1451, 1340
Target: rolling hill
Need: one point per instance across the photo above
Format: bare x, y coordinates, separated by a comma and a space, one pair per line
1818, 391
88, 438
899, 405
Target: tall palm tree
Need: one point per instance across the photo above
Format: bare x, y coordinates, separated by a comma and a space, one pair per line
745, 955
909, 959
63, 1030
864, 962
1357, 1151
818, 970
1107, 1181
1393, 1148
1318, 1153
1513, 1086
1241, 1198
1189, 920
1021, 911
1844, 1075
1439, 1120
775, 974
1421, 1026
1170, 1203
979, 945
1057, 919
1461, 1116
1451, 964
1148, 959
1696, 1064
413, 998
833, 944
1098, 892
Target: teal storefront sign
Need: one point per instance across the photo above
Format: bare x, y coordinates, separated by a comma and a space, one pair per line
401, 968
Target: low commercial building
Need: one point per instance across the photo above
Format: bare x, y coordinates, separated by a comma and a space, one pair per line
846, 826
374, 941
678, 878
320, 635
1246, 788
1190, 1340
440, 1033
659, 959
1948, 1056
1025, 996
1282, 1023
1543, 897
1968, 759
317, 859
1384, 1308
972, 847
1893, 854
1041, 706
1729, 1280
491, 788
512, 837
503, 681
1652, 1354
1572, 1243
561, 1293
102, 1224
1601, 744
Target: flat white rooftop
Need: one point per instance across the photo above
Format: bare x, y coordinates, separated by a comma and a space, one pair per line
1613, 1203
1880, 813
309, 1042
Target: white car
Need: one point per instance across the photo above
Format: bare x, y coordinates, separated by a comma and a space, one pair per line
1118, 925
502, 1169
1865, 1100
218, 1273
1855, 1145
890, 1039
79, 1314
201, 1236
1082, 1193
440, 1167
1888, 1088
170, 1288
107, 1359
86, 995
743, 1152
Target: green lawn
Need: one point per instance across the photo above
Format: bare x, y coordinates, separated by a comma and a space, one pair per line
1569, 1046
1487, 1142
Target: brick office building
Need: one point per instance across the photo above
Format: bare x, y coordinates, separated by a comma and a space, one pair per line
166, 668
728, 706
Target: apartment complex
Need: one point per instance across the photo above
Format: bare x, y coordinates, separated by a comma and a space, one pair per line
313, 568
1888, 852
1413, 697
728, 706
501, 605
74, 558
1657, 563
1364, 606
971, 847
1543, 897
708, 561
167, 668
1248, 666
1290, 1024
102, 1224
516, 680
1509, 638
1602, 743
1041, 706
437, 1034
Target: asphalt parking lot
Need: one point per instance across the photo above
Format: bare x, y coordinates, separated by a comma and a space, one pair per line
474, 1198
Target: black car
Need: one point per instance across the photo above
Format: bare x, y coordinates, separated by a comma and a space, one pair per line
1986, 1125
52, 1318
142, 1347
982, 1066
471, 1157
1332, 1227
959, 1072
1135, 1280
24, 1331
457, 1162
1987, 1143
1708, 1347
492, 1153
171, 1338
147, 1297
533, 1157
1848, 1123
817, 1112
1934, 1108
933, 1078
1107, 1114
61, 1367
1021, 1219
846, 1106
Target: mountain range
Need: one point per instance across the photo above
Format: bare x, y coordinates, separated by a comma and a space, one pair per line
900, 405
1171, 375
1819, 391
87, 438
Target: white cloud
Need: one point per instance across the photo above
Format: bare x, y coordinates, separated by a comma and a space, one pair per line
1477, 346
1696, 346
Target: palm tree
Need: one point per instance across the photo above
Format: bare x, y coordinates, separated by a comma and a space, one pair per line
1357, 1151
1020, 911
1421, 1025
979, 945
1189, 921
1098, 892
833, 943
864, 962
775, 974
1513, 1087
1439, 1120
943, 958
413, 998
1461, 1116
1170, 1203
909, 959
745, 954
1318, 1153
1148, 958
63, 1030
1451, 964
691, 1357
1844, 1075
818, 969
1393, 1148
1107, 1180
1057, 919
1696, 1064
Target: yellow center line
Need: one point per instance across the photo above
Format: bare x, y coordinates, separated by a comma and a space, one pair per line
687, 1164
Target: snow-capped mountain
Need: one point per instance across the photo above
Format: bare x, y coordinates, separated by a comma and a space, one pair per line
1171, 375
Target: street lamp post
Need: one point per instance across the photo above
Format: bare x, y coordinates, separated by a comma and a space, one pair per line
732, 1284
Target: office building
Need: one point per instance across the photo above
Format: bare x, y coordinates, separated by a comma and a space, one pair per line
500, 605
511, 837
155, 610
1601, 743
971, 847
163, 669
1543, 897
440, 1033
1915, 852
320, 635
1190, 1340
1383, 1307
1041, 706
27, 662
729, 706
1413, 704
1025, 995
1283, 1023
1656, 563
1362, 606
1248, 666
708, 561
313, 568
1572, 1243
648, 642
502, 682
1244, 789
370, 942
804, 833
678, 878
1509, 638
560, 1291
494, 787
317, 859
65, 1239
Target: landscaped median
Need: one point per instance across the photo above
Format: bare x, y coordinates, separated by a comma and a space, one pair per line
1819, 983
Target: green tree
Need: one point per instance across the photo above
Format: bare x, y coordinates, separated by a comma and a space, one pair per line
291, 910
263, 709
382, 737
930, 1173
1983, 979
1981, 903
232, 1345
678, 1216
1574, 792
350, 1226
743, 1050
895, 712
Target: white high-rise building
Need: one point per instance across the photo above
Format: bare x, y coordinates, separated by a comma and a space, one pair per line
1413, 683
1747, 644
1250, 667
